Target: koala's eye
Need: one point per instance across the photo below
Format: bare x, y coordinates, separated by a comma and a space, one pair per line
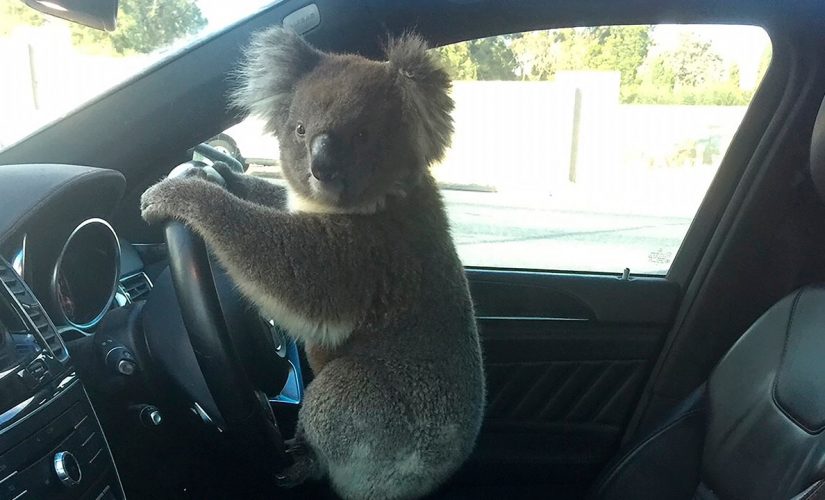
300, 130
362, 135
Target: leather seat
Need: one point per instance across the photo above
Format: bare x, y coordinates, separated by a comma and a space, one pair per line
755, 429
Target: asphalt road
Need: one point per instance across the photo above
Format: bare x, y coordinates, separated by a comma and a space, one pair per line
501, 231
493, 231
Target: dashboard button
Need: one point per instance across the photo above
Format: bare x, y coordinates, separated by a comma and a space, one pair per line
67, 469
126, 367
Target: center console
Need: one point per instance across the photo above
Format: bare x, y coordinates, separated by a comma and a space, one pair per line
51, 443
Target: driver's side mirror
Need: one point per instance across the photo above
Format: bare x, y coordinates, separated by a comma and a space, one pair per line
97, 14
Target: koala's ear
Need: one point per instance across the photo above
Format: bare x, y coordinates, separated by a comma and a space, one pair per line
276, 59
425, 90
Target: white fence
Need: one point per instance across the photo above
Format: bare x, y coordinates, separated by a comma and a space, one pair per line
532, 138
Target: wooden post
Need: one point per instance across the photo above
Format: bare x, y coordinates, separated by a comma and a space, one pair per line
574, 139
33, 77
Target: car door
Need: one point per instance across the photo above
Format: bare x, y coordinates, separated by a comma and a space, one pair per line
571, 186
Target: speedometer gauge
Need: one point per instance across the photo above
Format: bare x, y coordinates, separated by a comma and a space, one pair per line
85, 276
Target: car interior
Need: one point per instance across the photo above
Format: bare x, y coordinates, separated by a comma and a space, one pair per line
131, 367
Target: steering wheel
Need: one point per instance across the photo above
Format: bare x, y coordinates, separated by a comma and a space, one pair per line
244, 408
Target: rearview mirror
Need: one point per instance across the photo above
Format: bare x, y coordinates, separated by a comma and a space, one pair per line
97, 14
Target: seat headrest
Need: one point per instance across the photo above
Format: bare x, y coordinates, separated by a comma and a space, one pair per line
818, 152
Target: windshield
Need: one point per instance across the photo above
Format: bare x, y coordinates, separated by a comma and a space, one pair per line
51, 66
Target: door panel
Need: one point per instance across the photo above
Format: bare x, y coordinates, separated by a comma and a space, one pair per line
601, 297
566, 358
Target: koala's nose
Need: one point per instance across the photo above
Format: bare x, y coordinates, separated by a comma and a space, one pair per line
323, 156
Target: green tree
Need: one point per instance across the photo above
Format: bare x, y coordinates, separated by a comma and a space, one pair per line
734, 76
493, 58
145, 26
691, 73
540, 54
661, 73
483, 59
457, 60
142, 26
694, 62
13, 13
617, 48
614, 48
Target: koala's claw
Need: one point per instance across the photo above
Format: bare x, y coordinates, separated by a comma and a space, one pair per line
303, 465
150, 204
303, 468
295, 446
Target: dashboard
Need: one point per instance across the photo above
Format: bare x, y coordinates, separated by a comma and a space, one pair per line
89, 317
60, 273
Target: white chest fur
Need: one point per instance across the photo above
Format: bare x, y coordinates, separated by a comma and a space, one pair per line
297, 203
309, 330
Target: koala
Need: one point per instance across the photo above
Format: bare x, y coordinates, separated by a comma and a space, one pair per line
354, 259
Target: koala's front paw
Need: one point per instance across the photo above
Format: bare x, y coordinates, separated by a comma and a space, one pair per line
304, 465
176, 198
303, 469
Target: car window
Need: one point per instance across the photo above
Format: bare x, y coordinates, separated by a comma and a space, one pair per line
51, 66
581, 149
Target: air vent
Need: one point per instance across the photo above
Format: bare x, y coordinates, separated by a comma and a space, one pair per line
136, 286
31, 308
9, 278
46, 330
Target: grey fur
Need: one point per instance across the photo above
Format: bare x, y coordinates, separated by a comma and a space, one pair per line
251, 188
424, 84
267, 93
364, 273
